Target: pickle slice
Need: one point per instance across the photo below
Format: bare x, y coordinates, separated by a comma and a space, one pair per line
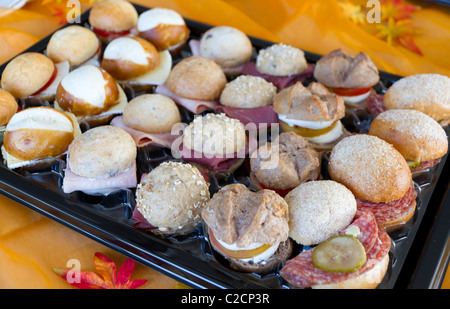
413, 164
339, 254
305, 132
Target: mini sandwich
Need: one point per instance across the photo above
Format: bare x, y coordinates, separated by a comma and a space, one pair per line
419, 138
379, 177
348, 76
248, 229
151, 119
170, 199
111, 19
33, 77
229, 47
195, 83
136, 62
215, 142
76, 44
99, 161
249, 99
312, 112
37, 133
344, 247
428, 93
284, 164
90, 92
8, 107
164, 28
280, 64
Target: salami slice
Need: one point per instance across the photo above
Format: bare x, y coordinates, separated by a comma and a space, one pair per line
389, 212
300, 270
375, 104
425, 164
368, 228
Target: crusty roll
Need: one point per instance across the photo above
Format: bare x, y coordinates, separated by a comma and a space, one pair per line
281, 60
8, 107
246, 91
285, 162
38, 132
164, 28
215, 135
417, 136
26, 74
76, 44
151, 113
129, 57
227, 46
171, 198
370, 167
88, 90
101, 152
339, 69
428, 93
244, 220
197, 78
319, 210
312, 103
113, 16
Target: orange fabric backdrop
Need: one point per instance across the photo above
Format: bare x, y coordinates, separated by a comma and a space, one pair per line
31, 245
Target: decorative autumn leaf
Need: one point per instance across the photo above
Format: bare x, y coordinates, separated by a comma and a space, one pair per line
109, 277
399, 31
397, 9
353, 11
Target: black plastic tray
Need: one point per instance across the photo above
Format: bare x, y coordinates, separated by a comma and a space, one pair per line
189, 259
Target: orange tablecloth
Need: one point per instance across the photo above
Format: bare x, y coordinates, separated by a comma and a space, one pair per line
31, 245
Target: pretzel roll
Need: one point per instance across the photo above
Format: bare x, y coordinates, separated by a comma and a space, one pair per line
88, 90
126, 58
38, 132
164, 28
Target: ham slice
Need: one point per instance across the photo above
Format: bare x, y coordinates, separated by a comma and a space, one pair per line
143, 138
73, 182
425, 165
301, 272
194, 106
195, 50
280, 82
262, 117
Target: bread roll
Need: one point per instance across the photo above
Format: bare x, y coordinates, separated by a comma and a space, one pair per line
171, 198
197, 78
8, 107
281, 60
428, 93
151, 113
113, 15
26, 74
74, 43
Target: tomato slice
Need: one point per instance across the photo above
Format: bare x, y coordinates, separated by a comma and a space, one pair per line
236, 254
50, 81
106, 33
305, 132
280, 192
351, 92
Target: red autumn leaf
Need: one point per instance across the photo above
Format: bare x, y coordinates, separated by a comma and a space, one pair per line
397, 9
109, 277
408, 42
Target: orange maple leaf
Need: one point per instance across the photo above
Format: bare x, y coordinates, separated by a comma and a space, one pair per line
108, 278
401, 32
397, 9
